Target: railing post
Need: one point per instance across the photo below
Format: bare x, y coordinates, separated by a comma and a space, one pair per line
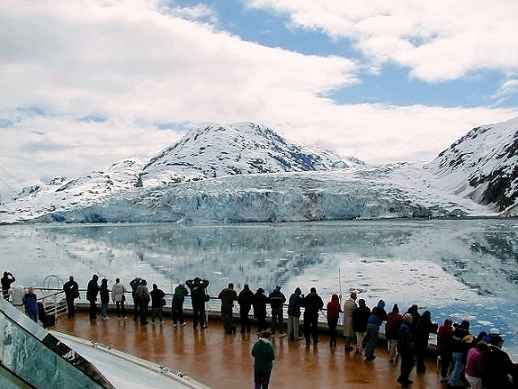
56, 308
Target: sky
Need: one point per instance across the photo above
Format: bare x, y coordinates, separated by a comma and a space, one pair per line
88, 82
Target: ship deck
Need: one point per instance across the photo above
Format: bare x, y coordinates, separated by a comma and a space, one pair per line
224, 361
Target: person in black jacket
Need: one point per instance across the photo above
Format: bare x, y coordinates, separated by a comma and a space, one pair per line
105, 298
313, 303
422, 334
498, 367
6, 282
157, 303
296, 302
459, 351
227, 297
360, 317
199, 296
178, 298
245, 301
91, 295
260, 301
406, 347
71, 290
134, 284
277, 300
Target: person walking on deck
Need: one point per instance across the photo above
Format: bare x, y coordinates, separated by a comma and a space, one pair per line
199, 297
134, 284
444, 342
157, 303
264, 355
143, 297
105, 298
6, 282
277, 300
178, 298
360, 318
260, 301
71, 289
119, 297
391, 332
245, 301
294, 305
422, 336
333, 313
30, 302
349, 306
227, 297
92, 291
377, 317
313, 304
406, 346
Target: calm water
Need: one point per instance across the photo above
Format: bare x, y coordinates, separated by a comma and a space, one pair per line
452, 268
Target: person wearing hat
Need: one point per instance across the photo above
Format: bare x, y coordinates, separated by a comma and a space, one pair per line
264, 355
277, 300
406, 346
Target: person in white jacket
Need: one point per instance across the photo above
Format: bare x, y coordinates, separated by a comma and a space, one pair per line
118, 297
349, 306
16, 297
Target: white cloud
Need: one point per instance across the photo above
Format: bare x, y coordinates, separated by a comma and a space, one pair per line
136, 65
506, 90
438, 40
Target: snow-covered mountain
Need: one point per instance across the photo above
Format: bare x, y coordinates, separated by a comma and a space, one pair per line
247, 172
483, 165
225, 150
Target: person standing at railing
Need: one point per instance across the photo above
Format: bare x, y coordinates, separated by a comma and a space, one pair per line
360, 318
245, 300
178, 299
118, 297
377, 317
277, 300
105, 298
91, 295
71, 290
349, 306
157, 303
227, 297
30, 302
142, 298
406, 346
134, 284
16, 294
391, 332
313, 304
260, 301
296, 302
6, 282
199, 297
423, 329
333, 313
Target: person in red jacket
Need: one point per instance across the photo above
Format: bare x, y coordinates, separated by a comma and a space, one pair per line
333, 312
444, 339
391, 332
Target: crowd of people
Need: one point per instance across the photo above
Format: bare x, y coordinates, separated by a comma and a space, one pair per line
465, 360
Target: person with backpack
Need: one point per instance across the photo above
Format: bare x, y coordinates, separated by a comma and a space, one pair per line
406, 346
119, 297
199, 297
178, 298
245, 301
157, 303
377, 317
277, 300
260, 301
264, 355
71, 289
313, 304
360, 317
391, 332
30, 302
333, 314
143, 297
92, 291
227, 296
294, 305
105, 298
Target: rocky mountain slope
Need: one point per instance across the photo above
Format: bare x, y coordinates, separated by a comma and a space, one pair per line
483, 166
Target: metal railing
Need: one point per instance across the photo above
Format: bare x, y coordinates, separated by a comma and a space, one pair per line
54, 302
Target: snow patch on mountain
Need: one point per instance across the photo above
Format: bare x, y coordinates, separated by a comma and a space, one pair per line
483, 166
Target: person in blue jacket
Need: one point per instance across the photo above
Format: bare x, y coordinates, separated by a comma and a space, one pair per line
30, 302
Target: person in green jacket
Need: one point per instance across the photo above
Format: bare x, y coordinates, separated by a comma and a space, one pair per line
264, 357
